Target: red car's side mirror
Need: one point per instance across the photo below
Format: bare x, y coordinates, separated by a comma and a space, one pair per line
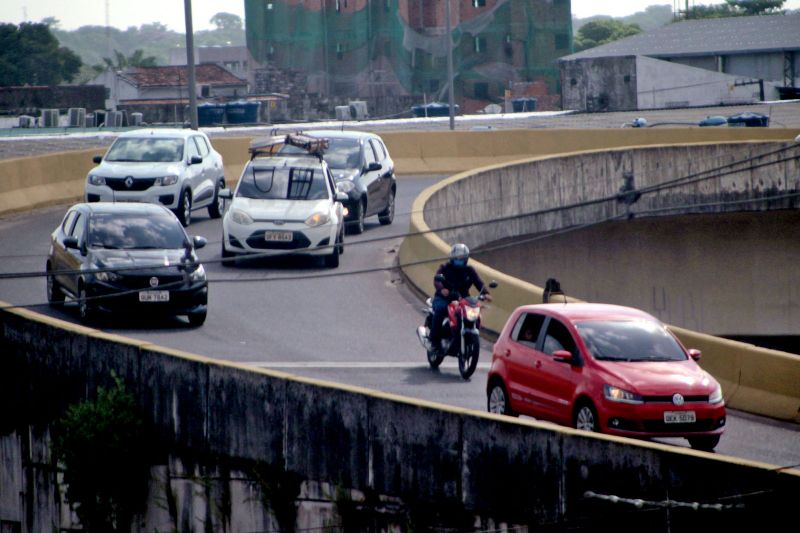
563, 355
695, 354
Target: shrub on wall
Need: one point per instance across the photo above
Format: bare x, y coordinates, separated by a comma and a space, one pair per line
101, 449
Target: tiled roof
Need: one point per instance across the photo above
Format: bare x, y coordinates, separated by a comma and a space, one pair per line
722, 36
173, 76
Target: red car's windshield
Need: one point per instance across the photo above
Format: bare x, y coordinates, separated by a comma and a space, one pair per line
630, 340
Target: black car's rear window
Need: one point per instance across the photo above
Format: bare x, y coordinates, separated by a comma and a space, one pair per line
629, 340
282, 183
145, 150
135, 232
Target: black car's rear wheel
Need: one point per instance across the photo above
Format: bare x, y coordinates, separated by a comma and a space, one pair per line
357, 226
55, 296
387, 215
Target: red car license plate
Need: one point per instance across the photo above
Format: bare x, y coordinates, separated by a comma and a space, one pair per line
279, 236
679, 417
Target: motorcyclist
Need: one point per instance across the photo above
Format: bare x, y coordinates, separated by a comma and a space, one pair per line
452, 281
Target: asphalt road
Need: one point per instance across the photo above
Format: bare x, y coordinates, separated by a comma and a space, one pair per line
336, 325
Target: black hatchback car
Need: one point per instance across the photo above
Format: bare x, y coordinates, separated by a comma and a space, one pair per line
126, 257
363, 170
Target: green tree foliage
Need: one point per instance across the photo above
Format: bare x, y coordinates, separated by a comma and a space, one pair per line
603, 31
101, 447
226, 21
30, 54
651, 18
121, 62
736, 8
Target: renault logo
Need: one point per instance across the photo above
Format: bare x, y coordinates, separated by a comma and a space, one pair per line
677, 399
129, 182
154, 283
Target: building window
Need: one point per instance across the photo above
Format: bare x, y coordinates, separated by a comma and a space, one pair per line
269, 6
481, 90
480, 44
561, 41
627, 78
205, 91
339, 52
433, 86
478, 3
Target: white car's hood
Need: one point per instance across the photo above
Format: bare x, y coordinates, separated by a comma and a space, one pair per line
138, 170
285, 210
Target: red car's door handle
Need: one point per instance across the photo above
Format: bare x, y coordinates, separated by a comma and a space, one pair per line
538, 364
507, 353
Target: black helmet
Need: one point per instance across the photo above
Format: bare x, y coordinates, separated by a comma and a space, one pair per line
459, 254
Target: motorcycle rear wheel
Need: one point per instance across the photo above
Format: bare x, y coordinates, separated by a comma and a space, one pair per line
468, 359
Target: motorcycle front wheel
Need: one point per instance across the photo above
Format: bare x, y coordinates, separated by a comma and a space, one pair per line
468, 359
435, 359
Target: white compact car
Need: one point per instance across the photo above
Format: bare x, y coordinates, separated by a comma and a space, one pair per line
285, 204
178, 169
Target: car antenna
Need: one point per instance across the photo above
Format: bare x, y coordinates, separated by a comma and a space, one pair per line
552, 287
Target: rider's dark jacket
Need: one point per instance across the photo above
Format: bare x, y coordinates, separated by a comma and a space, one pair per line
458, 279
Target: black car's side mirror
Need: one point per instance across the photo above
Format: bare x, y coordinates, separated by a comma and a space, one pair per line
195, 160
71, 242
374, 166
97, 159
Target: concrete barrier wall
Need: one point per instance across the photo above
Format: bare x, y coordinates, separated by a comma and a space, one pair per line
30, 182
228, 437
541, 185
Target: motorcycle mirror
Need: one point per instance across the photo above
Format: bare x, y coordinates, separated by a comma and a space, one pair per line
439, 278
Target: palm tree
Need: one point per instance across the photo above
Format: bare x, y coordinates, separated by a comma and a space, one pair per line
137, 59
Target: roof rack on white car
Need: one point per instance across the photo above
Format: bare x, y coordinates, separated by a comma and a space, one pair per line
266, 145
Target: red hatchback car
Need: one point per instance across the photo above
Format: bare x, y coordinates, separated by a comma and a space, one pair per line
603, 368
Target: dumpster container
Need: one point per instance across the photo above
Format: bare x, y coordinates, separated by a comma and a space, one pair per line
210, 114
434, 109
521, 105
242, 112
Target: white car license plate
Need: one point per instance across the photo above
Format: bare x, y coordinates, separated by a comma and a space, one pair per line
278, 236
154, 296
679, 417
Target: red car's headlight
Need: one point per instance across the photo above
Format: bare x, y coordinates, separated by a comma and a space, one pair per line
615, 394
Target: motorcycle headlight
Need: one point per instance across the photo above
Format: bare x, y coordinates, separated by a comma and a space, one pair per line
472, 313
167, 180
716, 396
240, 217
345, 186
317, 219
198, 274
107, 276
94, 179
615, 394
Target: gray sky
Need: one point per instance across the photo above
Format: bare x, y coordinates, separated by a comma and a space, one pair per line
125, 13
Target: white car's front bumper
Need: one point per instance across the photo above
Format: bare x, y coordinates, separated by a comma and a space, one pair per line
250, 238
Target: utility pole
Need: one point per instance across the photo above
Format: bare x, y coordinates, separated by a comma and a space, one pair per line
187, 7
449, 37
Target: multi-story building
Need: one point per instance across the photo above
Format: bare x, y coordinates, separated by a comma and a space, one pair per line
394, 52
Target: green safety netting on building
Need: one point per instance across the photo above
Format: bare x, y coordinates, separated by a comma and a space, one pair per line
369, 46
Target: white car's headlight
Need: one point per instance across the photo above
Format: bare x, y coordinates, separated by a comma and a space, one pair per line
94, 179
198, 274
317, 219
345, 186
240, 217
164, 181
716, 396
615, 394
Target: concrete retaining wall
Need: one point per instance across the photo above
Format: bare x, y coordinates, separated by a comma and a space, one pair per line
541, 185
228, 435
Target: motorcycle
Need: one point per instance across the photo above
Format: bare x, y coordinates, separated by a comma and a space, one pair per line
460, 332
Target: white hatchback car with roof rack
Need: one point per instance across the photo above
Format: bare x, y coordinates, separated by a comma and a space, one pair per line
176, 168
285, 204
